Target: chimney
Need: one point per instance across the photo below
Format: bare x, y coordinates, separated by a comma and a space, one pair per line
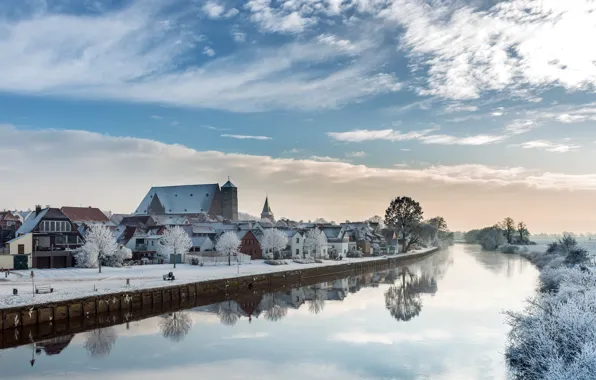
37, 209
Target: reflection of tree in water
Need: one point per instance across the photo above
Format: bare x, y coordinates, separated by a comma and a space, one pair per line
402, 300
100, 342
175, 326
425, 284
229, 312
316, 303
274, 307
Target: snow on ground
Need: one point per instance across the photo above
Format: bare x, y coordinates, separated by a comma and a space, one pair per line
72, 283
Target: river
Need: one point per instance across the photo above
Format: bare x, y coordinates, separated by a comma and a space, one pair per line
440, 318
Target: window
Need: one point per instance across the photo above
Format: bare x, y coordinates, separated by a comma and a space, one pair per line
297, 240
52, 226
297, 252
21, 249
60, 240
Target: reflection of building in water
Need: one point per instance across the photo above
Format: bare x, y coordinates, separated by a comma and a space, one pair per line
53, 346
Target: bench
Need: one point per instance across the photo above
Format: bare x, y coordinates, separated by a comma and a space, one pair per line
41, 289
169, 277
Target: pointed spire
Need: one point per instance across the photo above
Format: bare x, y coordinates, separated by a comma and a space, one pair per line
267, 213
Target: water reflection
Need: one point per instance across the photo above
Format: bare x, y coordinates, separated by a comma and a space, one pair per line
99, 342
436, 319
175, 326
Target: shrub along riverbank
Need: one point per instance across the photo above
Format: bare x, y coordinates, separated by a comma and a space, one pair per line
554, 338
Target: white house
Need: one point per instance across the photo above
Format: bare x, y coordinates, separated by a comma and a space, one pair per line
21, 247
201, 244
296, 243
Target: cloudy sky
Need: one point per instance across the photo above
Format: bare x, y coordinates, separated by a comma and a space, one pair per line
478, 109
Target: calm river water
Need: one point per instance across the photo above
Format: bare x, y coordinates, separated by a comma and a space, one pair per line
439, 319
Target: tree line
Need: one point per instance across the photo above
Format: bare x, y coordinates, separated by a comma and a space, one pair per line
505, 232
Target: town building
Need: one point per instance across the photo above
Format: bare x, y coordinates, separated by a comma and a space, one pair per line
9, 224
267, 213
191, 200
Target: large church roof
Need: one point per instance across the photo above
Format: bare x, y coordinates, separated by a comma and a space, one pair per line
185, 199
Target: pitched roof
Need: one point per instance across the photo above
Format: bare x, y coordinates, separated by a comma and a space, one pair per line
266, 208
30, 223
84, 214
185, 199
228, 184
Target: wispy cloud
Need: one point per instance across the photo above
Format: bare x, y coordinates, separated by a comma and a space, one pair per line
549, 146
156, 117
214, 128
246, 137
208, 51
356, 154
425, 136
213, 10
325, 159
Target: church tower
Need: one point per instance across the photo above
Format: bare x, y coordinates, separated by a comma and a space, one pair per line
229, 206
267, 213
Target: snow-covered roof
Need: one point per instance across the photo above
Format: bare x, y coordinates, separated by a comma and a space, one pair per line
198, 240
17, 238
185, 199
170, 220
31, 222
228, 184
203, 230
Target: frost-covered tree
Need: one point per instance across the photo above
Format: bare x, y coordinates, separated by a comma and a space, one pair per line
273, 242
175, 326
375, 219
100, 243
100, 342
228, 245
490, 238
316, 303
523, 234
320, 221
175, 241
314, 241
404, 216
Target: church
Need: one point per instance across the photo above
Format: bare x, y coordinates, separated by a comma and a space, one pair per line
191, 200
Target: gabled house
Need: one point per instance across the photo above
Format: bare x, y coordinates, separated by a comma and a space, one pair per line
201, 244
54, 237
250, 244
85, 215
9, 224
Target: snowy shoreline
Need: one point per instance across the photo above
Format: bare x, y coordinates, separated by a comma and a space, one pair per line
76, 283
554, 338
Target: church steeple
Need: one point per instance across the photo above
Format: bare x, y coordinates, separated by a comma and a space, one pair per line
267, 213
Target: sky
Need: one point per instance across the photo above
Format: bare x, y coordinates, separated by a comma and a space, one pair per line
477, 109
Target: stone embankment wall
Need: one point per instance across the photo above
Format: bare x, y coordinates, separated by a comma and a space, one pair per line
24, 325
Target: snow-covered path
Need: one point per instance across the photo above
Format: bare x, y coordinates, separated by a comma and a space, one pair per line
78, 282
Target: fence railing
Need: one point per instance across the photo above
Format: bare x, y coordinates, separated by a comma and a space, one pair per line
219, 260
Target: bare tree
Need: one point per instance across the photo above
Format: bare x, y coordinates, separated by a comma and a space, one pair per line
175, 326
523, 233
316, 304
508, 227
274, 307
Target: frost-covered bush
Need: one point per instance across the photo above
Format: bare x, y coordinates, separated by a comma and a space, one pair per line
193, 260
555, 335
491, 238
117, 258
275, 262
354, 254
307, 260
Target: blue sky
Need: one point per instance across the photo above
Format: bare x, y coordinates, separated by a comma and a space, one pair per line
348, 95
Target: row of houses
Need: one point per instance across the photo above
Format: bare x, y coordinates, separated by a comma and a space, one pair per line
48, 237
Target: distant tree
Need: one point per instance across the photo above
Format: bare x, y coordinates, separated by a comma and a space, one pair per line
175, 326
175, 241
273, 242
428, 233
320, 221
404, 216
439, 223
314, 240
471, 237
490, 238
228, 245
99, 342
508, 227
99, 244
377, 219
523, 233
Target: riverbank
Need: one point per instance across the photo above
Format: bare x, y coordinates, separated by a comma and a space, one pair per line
74, 301
555, 336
